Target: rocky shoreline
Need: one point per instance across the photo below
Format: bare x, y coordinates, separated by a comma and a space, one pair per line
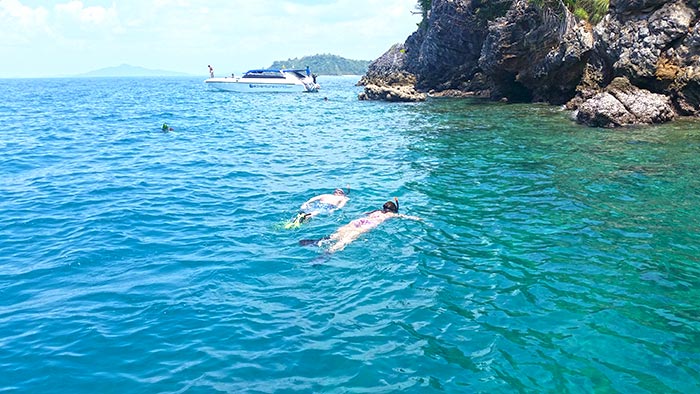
639, 65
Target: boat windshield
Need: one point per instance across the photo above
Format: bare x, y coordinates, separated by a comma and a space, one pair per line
297, 73
263, 74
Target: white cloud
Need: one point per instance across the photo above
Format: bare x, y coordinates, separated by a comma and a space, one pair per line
19, 23
25, 16
94, 15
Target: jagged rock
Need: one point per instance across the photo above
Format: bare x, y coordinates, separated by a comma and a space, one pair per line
389, 69
623, 104
687, 97
655, 44
536, 54
387, 78
443, 54
506, 48
391, 93
685, 88
446, 53
636, 45
628, 6
519, 51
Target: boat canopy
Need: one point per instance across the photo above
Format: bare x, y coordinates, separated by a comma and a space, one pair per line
275, 70
273, 73
263, 73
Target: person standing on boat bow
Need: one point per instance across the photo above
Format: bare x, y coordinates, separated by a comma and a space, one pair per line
211, 71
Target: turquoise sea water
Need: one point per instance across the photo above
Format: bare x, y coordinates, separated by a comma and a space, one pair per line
551, 258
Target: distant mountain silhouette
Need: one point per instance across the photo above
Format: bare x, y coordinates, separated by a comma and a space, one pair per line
126, 70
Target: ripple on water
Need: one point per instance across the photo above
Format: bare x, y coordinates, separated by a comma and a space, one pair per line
550, 257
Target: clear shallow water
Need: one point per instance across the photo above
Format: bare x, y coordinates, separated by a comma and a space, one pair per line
551, 258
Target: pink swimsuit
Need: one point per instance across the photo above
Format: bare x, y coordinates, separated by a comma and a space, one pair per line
370, 220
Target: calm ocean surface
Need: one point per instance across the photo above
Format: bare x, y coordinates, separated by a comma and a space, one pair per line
552, 257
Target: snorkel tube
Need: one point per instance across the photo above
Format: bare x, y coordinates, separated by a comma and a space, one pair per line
397, 204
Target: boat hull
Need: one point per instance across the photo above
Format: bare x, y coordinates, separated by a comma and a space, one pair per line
236, 85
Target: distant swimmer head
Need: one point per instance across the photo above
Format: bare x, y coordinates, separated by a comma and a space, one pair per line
389, 206
339, 192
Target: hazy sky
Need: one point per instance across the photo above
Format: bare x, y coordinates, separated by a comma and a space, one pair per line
53, 38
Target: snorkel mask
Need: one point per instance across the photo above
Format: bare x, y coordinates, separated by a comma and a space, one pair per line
389, 206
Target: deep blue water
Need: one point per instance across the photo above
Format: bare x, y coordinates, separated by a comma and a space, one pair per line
551, 258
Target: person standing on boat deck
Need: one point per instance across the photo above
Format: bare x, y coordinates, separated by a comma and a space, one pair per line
211, 71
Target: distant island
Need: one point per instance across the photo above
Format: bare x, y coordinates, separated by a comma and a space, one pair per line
126, 70
325, 64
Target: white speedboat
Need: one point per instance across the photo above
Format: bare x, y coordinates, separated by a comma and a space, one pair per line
267, 80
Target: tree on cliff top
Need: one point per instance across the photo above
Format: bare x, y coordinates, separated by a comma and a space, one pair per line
423, 6
590, 10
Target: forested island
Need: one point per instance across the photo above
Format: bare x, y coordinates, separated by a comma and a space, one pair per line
325, 64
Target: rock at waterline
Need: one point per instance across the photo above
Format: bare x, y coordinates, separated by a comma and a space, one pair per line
623, 104
392, 93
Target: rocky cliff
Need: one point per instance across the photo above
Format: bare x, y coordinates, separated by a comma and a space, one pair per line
642, 51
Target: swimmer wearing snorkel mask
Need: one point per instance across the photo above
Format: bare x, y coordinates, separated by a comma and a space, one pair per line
322, 204
351, 231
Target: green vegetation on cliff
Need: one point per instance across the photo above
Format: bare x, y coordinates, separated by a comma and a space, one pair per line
325, 65
590, 10
423, 6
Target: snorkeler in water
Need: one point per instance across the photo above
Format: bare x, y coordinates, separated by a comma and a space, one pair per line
321, 204
351, 231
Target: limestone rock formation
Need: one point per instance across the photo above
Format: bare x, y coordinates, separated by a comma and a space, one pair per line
622, 104
391, 93
654, 44
442, 55
389, 69
533, 54
522, 50
445, 55
508, 49
388, 79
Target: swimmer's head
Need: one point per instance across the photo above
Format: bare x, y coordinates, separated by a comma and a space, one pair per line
339, 192
389, 206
